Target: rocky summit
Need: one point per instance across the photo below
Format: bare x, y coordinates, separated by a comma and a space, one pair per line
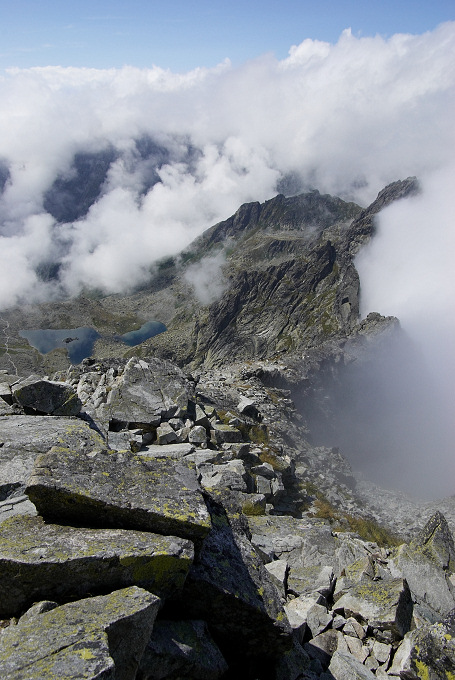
171, 510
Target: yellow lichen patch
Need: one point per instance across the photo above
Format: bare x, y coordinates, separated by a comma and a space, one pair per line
422, 670
85, 654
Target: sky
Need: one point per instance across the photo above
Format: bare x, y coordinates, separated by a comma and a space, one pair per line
182, 34
233, 101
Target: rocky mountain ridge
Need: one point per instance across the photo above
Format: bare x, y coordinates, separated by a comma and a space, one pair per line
166, 512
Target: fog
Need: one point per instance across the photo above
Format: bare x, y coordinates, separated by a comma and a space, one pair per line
165, 155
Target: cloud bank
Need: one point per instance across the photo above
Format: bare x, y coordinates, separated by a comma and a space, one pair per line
185, 150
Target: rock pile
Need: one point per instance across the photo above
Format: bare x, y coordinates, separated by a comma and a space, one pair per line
157, 531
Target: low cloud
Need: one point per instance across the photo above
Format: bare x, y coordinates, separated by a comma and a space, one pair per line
345, 118
206, 277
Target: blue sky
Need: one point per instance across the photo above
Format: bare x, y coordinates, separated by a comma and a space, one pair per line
181, 34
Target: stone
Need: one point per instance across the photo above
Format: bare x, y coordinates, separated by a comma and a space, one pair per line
356, 648
324, 645
181, 649
318, 619
165, 434
228, 577
248, 408
345, 667
47, 396
47, 561
22, 438
428, 652
225, 433
354, 628
428, 582
119, 489
278, 571
435, 541
231, 475
304, 580
297, 612
385, 605
293, 663
381, 651
198, 435
176, 451
16, 505
99, 637
148, 392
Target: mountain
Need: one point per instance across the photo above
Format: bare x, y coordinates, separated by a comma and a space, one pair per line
181, 508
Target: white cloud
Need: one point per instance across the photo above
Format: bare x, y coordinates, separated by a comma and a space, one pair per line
347, 118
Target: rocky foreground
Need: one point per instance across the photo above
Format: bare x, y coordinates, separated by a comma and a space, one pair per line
156, 524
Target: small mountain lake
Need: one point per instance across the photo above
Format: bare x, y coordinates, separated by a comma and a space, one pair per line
79, 341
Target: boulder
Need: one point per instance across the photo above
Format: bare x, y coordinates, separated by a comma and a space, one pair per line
429, 584
229, 587
48, 561
278, 572
198, 435
345, 667
231, 475
119, 489
47, 396
147, 392
428, 652
385, 605
165, 434
99, 637
181, 649
22, 438
303, 580
222, 433
175, 450
324, 646
435, 541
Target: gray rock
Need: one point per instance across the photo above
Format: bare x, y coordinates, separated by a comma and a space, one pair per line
435, 540
429, 584
293, 664
181, 649
16, 505
47, 397
318, 619
428, 652
110, 488
356, 648
231, 475
22, 438
278, 571
297, 611
345, 667
100, 637
198, 435
228, 577
46, 561
303, 580
324, 646
165, 434
176, 451
225, 433
385, 605
353, 628
147, 392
